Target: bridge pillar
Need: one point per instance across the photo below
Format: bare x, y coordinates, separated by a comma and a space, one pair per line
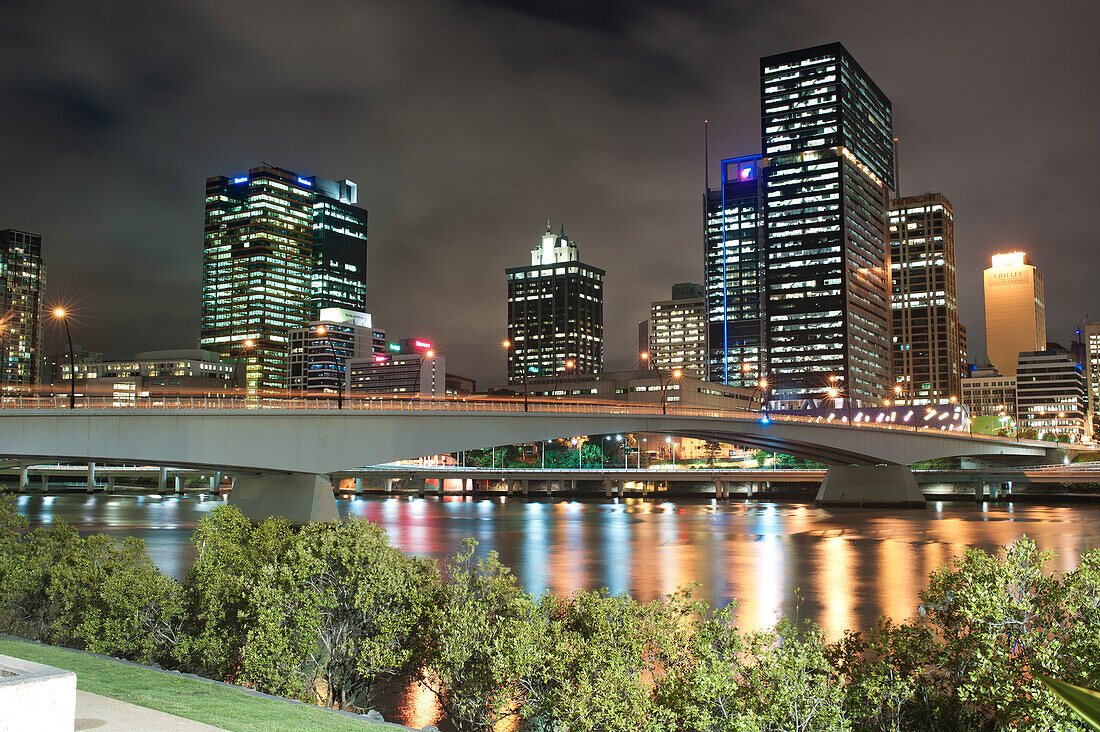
300, 498
526, 487
607, 487
979, 492
110, 484
162, 480
45, 483
358, 486
421, 486
718, 487
750, 489
620, 487
861, 485
178, 483
24, 478
994, 491
549, 488
91, 477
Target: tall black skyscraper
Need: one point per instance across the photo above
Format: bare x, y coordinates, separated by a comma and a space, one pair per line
339, 247
734, 274
827, 139
555, 312
23, 278
797, 243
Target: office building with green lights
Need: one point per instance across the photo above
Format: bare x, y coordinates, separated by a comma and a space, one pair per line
278, 248
23, 275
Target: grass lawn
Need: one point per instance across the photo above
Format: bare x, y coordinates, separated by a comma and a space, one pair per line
213, 704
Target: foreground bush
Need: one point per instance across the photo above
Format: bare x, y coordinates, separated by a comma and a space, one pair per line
329, 612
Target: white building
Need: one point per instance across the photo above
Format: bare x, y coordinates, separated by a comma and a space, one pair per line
1051, 396
320, 351
678, 331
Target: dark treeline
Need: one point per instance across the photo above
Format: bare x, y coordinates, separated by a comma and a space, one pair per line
331, 614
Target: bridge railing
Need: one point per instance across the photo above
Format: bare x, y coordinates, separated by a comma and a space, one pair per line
452, 404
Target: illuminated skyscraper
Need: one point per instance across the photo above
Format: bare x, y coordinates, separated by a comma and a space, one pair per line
278, 247
555, 312
1091, 336
678, 332
23, 274
734, 274
1015, 313
828, 175
929, 351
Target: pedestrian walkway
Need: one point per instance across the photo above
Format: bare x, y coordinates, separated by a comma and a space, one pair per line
103, 714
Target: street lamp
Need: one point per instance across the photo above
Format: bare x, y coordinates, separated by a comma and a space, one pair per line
671, 449
676, 373
247, 345
508, 347
323, 332
60, 314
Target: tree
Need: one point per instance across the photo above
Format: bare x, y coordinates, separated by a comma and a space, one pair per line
712, 450
370, 601
481, 640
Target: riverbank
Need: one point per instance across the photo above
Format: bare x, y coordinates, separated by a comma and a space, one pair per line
187, 696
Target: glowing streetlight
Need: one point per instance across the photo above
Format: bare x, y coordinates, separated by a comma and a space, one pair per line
60, 314
507, 345
246, 345
323, 332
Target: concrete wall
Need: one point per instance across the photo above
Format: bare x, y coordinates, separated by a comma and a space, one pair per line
36, 697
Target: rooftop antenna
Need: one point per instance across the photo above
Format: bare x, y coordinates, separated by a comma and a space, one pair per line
706, 155
897, 180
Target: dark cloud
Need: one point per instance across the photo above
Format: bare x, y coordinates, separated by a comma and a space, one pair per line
466, 125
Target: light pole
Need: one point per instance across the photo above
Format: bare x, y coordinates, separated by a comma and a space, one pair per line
61, 315
323, 332
671, 449
619, 438
676, 373
247, 345
508, 347
761, 386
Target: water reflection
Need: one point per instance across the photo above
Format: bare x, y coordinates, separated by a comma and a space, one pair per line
847, 565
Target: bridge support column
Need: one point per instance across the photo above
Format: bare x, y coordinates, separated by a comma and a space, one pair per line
91, 477
526, 488
750, 489
215, 480
620, 487
421, 486
549, 488
298, 497
994, 491
45, 483
608, 486
861, 485
178, 482
24, 478
162, 481
110, 484
359, 486
719, 489
979, 492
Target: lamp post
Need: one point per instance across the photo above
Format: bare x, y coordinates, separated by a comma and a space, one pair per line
644, 356
247, 345
323, 332
61, 315
508, 347
761, 386
671, 449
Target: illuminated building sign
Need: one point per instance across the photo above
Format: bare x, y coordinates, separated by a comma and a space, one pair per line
379, 358
241, 179
422, 344
305, 182
393, 347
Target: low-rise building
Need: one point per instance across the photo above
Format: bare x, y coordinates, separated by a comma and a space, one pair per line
183, 372
987, 393
678, 331
409, 368
1051, 394
644, 387
320, 351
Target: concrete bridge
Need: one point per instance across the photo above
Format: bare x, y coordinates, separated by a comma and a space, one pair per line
284, 450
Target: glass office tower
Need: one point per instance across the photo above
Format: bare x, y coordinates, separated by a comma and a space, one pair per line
929, 343
277, 245
23, 275
734, 274
827, 177
555, 312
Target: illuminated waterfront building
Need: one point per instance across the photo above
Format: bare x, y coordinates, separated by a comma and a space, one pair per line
1015, 313
734, 274
409, 368
188, 372
1091, 336
929, 345
826, 186
320, 351
1051, 395
278, 247
987, 393
678, 335
23, 275
644, 387
555, 312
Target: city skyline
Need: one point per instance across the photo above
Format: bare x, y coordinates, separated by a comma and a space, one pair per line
431, 234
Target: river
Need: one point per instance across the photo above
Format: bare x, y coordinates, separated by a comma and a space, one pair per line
841, 568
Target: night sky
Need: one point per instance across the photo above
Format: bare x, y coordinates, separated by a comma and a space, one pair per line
468, 124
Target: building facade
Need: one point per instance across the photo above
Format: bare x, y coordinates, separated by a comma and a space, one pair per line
828, 176
277, 246
644, 387
1051, 395
987, 393
678, 331
23, 276
555, 312
929, 345
151, 374
413, 369
1015, 310
320, 351
1091, 336
734, 274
